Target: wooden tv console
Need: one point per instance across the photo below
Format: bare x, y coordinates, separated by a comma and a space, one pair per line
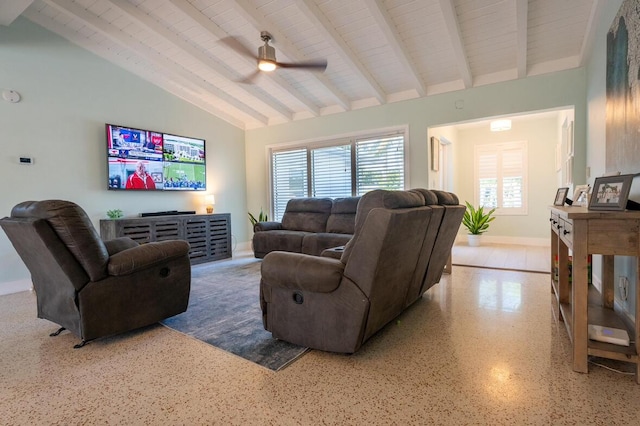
579, 303
208, 234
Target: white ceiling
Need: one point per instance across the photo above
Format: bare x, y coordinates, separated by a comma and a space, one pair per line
378, 51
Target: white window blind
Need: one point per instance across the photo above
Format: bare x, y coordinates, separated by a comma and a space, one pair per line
331, 171
380, 163
501, 177
289, 178
336, 169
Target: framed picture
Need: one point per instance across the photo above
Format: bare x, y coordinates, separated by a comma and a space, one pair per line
581, 195
561, 195
610, 193
435, 153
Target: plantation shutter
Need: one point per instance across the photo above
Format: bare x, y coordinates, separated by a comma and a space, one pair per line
512, 177
380, 163
289, 180
487, 164
501, 176
331, 171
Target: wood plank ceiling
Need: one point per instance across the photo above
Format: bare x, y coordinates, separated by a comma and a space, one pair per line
378, 51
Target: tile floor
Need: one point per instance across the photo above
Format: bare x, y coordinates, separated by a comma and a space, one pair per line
481, 348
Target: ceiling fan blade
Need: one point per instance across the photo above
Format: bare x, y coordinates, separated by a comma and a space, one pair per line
250, 78
235, 44
319, 65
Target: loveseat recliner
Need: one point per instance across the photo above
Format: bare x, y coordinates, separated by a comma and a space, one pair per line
401, 243
309, 225
91, 287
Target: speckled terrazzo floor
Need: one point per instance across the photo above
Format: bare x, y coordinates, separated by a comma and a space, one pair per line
480, 348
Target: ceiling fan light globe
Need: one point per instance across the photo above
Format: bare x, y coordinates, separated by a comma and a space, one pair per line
266, 65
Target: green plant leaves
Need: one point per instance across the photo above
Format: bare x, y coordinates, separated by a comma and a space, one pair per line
114, 214
262, 217
476, 220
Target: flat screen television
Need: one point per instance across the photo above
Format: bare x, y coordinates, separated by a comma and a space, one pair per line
150, 160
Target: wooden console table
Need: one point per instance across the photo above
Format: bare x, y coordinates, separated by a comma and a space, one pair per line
208, 234
578, 303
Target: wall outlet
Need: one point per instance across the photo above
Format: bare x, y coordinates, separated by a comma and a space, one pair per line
623, 287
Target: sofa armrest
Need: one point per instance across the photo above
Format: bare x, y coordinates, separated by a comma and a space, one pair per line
267, 226
145, 256
334, 253
118, 244
302, 272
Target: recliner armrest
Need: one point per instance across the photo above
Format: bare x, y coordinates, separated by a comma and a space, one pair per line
118, 244
267, 226
146, 255
302, 271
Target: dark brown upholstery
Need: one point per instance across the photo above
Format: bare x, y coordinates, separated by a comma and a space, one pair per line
95, 288
309, 225
337, 304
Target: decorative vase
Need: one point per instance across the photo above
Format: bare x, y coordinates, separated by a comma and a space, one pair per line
474, 240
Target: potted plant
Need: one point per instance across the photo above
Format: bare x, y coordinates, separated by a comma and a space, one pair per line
477, 222
114, 214
262, 217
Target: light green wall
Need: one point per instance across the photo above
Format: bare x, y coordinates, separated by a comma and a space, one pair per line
550, 91
68, 96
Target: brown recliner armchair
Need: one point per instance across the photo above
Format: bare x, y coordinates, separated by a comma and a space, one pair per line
338, 304
95, 288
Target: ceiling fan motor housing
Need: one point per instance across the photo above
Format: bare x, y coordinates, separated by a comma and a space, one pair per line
267, 52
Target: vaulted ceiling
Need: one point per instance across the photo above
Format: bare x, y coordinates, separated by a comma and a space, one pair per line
378, 51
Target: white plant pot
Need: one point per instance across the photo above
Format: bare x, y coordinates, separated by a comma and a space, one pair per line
473, 240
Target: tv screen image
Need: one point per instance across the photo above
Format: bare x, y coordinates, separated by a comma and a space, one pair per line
149, 160
184, 163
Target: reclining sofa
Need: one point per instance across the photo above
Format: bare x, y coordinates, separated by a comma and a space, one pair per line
309, 225
401, 243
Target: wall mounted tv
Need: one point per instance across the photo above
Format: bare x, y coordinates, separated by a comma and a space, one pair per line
149, 160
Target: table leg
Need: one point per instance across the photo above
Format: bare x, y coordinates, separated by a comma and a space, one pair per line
579, 295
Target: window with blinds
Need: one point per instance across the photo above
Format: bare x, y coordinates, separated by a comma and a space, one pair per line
340, 169
380, 164
501, 177
331, 171
289, 178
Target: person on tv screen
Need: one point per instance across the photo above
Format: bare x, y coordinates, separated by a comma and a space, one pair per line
140, 179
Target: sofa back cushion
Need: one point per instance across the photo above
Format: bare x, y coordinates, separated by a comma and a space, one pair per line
380, 198
307, 214
343, 215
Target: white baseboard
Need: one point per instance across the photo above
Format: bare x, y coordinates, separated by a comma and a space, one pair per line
522, 241
15, 286
242, 247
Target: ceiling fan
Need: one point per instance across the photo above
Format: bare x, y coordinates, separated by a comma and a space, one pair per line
267, 57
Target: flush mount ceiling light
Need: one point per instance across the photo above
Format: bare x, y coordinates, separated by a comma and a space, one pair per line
500, 125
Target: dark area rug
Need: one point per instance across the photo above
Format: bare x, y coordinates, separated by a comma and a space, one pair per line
224, 311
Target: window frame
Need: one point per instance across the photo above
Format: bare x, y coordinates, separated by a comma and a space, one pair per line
499, 148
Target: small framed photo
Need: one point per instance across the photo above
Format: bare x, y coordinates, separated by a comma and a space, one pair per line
435, 153
561, 196
610, 193
581, 195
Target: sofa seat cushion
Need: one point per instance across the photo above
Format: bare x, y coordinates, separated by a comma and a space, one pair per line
315, 244
282, 240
